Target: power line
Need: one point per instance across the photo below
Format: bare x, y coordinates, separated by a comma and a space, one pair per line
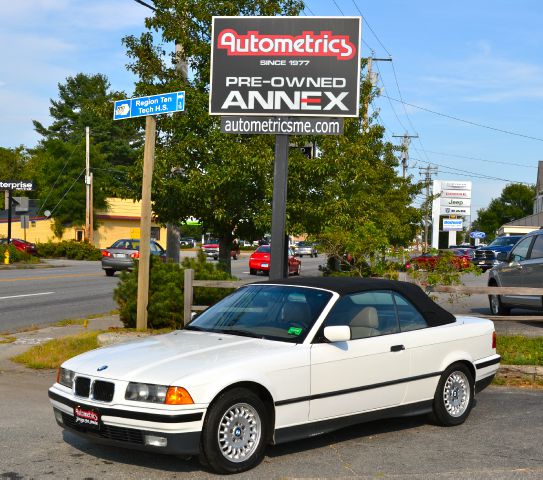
67, 191
369, 26
340, 11
141, 2
480, 159
469, 122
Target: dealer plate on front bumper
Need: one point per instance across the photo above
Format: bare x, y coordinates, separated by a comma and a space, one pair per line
264, 265
89, 418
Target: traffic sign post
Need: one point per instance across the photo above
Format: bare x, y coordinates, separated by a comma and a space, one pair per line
147, 107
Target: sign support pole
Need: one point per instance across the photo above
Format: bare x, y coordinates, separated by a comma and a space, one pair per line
278, 269
145, 222
10, 202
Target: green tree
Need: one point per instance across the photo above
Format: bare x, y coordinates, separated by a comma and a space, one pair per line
60, 172
223, 180
87, 101
516, 201
15, 164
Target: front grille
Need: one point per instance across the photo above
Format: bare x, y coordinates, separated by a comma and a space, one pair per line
82, 386
119, 434
103, 391
484, 255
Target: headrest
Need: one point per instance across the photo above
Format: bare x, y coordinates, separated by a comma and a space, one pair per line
367, 317
297, 312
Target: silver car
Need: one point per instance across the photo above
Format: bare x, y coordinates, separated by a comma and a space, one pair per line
305, 248
122, 254
521, 267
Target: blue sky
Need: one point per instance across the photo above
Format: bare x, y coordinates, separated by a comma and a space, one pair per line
480, 61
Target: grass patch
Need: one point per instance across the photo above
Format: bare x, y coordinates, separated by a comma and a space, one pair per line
51, 354
7, 339
518, 350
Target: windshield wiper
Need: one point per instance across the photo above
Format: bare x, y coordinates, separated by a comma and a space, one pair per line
241, 333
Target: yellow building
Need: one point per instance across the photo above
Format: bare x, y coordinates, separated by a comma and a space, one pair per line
120, 220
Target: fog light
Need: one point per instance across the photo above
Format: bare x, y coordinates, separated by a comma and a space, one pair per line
58, 416
152, 441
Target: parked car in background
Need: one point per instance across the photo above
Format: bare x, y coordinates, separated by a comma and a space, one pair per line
122, 254
521, 267
21, 245
305, 248
187, 242
486, 257
211, 249
460, 258
281, 361
259, 261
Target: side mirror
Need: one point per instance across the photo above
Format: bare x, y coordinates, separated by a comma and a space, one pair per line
502, 256
337, 333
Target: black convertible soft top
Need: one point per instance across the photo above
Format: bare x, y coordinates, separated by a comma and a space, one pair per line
431, 311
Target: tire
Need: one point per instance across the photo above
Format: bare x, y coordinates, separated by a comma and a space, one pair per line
109, 272
453, 399
252, 271
235, 432
298, 270
496, 306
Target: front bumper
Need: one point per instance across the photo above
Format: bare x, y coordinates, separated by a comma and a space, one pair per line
179, 434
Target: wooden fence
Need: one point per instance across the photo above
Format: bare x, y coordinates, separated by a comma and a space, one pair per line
190, 283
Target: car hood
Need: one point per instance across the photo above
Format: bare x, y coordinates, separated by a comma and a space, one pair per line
163, 359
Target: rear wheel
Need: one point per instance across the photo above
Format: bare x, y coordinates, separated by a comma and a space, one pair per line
109, 272
235, 432
252, 271
454, 396
497, 307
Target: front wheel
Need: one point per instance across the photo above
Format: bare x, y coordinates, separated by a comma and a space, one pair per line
253, 271
235, 432
109, 272
453, 399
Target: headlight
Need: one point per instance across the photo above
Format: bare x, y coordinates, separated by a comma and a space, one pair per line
65, 377
145, 392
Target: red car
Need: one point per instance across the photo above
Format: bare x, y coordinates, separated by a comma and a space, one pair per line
260, 261
460, 259
211, 249
21, 245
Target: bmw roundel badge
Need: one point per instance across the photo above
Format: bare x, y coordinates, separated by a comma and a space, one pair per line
102, 368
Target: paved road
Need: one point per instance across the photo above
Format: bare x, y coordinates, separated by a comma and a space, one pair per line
70, 289
502, 439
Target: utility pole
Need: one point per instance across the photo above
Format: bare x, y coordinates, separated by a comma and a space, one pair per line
373, 80
405, 150
427, 172
88, 190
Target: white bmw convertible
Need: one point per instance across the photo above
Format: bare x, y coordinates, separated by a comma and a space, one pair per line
275, 362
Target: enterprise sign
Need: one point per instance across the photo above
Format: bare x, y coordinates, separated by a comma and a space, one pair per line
25, 185
291, 66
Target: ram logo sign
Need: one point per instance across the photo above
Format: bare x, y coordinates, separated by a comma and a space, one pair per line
285, 66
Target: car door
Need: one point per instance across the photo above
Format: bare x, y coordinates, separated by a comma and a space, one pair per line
367, 372
532, 270
512, 273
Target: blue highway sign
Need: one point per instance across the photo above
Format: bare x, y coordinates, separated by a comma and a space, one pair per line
152, 105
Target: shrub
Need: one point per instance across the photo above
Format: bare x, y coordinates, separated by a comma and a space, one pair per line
70, 249
165, 304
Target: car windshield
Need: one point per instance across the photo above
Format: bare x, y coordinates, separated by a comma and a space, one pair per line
504, 241
263, 249
273, 312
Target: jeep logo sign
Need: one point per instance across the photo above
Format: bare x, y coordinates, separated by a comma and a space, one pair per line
277, 66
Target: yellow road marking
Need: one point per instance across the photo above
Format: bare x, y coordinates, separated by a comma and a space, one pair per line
49, 277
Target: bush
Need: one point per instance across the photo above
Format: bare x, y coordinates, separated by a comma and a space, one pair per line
70, 249
165, 304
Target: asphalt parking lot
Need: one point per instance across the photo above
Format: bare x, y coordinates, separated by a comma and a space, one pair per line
502, 439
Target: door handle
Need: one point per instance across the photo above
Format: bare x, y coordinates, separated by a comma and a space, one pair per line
397, 348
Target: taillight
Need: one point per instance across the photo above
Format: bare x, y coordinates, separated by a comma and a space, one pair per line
494, 337
135, 255
105, 253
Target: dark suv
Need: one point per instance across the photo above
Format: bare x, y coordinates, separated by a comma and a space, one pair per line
521, 267
486, 257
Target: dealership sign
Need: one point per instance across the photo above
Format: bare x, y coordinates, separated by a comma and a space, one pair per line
455, 185
285, 66
456, 194
26, 185
452, 224
456, 202
465, 211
